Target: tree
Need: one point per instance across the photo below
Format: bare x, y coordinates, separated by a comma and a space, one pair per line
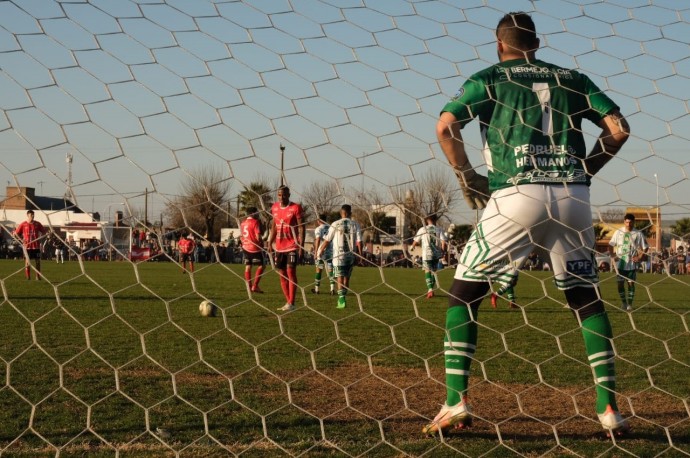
258, 193
322, 197
600, 232
460, 233
434, 192
644, 226
681, 228
200, 203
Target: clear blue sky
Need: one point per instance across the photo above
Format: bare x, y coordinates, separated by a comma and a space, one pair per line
142, 91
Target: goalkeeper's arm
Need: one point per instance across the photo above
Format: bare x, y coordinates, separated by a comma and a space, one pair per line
475, 187
614, 133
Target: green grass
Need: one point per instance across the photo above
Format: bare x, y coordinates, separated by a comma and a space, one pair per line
99, 356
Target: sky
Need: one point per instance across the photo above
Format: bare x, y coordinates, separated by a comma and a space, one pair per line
143, 93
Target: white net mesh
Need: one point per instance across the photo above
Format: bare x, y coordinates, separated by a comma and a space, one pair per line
168, 113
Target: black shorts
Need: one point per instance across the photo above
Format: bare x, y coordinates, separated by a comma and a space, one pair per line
253, 258
34, 254
285, 259
184, 257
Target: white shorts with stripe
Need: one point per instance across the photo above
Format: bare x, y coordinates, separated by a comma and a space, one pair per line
553, 220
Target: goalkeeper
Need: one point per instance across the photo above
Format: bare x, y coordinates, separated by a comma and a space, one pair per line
536, 196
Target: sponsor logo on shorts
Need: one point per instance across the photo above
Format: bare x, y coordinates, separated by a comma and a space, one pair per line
580, 267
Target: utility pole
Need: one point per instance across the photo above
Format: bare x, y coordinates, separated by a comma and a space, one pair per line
238, 209
146, 207
282, 165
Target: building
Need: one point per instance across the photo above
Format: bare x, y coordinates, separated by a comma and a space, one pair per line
59, 215
652, 216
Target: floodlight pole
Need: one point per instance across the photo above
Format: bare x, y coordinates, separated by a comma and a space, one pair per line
282, 165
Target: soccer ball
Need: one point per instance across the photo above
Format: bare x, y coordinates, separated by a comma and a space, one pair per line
207, 308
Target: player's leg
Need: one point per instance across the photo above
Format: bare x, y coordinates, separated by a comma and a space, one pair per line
598, 334
506, 290
620, 283
500, 241
428, 276
258, 259
281, 266
292, 276
569, 242
332, 282
459, 345
248, 272
318, 269
338, 273
632, 281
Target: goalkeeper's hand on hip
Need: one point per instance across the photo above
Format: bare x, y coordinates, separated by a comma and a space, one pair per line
474, 187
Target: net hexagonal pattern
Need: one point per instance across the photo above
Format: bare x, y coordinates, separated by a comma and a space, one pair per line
162, 114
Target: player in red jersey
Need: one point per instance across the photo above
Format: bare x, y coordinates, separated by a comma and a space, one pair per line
252, 241
287, 230
30, 233
186, 246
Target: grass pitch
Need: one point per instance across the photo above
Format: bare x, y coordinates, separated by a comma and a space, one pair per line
107, 358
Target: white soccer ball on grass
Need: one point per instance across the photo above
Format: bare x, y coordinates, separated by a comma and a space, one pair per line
207, 308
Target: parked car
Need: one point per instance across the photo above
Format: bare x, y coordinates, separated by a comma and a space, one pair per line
14, 251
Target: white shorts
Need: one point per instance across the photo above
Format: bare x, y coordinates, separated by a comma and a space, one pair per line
553, 220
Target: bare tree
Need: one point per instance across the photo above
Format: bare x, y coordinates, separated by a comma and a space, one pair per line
434, 192
321, 197
203, 196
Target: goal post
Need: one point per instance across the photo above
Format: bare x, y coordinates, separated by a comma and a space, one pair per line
189, 113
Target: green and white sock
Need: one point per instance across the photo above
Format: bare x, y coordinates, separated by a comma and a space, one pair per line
429, 277
460, 344
597, 333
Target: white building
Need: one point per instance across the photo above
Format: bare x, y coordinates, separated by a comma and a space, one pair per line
58, 215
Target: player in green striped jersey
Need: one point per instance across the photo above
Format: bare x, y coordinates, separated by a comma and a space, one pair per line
628, 247
536, 196
345, 238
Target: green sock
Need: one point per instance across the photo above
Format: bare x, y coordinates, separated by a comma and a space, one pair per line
621, 291
459, 346
429, 277
317, 279
506, 291
631, 292
597, 333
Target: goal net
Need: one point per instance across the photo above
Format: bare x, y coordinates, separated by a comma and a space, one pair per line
128, 125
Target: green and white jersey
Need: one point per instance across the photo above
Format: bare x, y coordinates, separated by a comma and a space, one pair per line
431, 239
343, 236
626, 246
530, 116
319, 234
